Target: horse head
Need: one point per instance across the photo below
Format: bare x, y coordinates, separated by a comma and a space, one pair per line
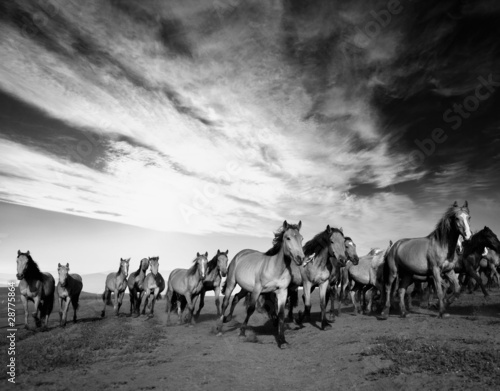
63, 273
22, 263
124, 264
222, 262
201, 262
292, 242
350, 250
154, 263
336, 247
462, 219
144, 264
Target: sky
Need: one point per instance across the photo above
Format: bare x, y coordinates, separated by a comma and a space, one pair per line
170, 127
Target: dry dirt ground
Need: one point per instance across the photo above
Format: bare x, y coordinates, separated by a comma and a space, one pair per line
358, 353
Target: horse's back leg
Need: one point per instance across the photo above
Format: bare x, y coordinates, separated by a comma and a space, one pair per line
237, 297
250, 310
404, 282
323, 288
24, 300
390, 274
217, 300
104, 299
202, 303
293, 300
306, 298
281, 295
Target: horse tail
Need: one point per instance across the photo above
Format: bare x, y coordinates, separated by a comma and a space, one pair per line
173, 300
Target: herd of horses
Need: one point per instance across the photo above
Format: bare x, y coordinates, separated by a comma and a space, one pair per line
328, 262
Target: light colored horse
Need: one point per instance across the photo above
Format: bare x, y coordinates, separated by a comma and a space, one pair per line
154, 284
267, 273
116, 283
216, 270
367, 275
69, 288
136, 286
37, 287
430, 255
325, 246
184, 285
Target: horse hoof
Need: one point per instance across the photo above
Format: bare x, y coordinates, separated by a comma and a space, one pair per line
326, 326
227, 318
102, 314
283, 345
402, 316
219, 334
383, 317
444, 315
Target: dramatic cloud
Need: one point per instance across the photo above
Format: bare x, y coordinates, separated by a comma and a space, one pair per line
230, 116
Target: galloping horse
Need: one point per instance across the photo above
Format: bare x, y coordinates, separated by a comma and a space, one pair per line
216, 269
482, 245
184, 285
326, 245
154, 284
117, 283
136, 286
69, 288
268, 272
431, 255
35, 286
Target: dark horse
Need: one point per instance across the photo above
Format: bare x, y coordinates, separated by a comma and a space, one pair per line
216, 270
431, 255
35, 286
136, 286
69, 288
483, 244
269, 272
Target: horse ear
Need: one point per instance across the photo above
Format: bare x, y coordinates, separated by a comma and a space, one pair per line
455, 204
67, 265
197, 254
466, 204
58, 265
390, 242
218, 251
28, 252
18, 252
328, 228
300, 224
227, 251
341, 229
285, 224
206, 254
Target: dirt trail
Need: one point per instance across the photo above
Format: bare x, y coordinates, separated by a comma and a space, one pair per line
138, 354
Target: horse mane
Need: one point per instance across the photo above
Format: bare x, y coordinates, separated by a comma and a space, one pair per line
192, 270
444, 231
319, 242
138, 271
278, 239
483, 238
32, 272
375, 251
347, 238
212, 264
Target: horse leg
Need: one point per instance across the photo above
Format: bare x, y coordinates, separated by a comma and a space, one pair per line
237, 297
281, 296
250, 310
132, 296
293, 294
65, 311
217, 300
61, 306
152, 304
24, 300
439, 288
478, 279
202, 303
104, 299
38, 321
306, 296
322, 302
120, 301
404, 282
142, 307
168, 308
74, 302
453, 279
190, 306
390, 271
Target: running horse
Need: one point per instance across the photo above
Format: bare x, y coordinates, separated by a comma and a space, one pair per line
69, 288
35, 286
427, 256
117, 283
324, 248
136, 286
216, 270
265, 273
185, 285
154, 284
482, 249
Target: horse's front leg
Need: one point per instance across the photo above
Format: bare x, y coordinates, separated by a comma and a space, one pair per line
190, 306
478, 279
322, 302
61, 306
24, 300
306, 291
217, 300
436, 272
142, 307
65, 311
281, 296
35, 313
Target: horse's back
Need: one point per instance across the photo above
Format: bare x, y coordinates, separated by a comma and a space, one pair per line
361, 272
248, 268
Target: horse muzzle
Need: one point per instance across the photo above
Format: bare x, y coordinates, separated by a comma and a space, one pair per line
223, 274
355, 260
19, 276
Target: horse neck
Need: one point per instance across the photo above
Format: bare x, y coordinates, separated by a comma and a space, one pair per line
322, 258
447, 240
277, 262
